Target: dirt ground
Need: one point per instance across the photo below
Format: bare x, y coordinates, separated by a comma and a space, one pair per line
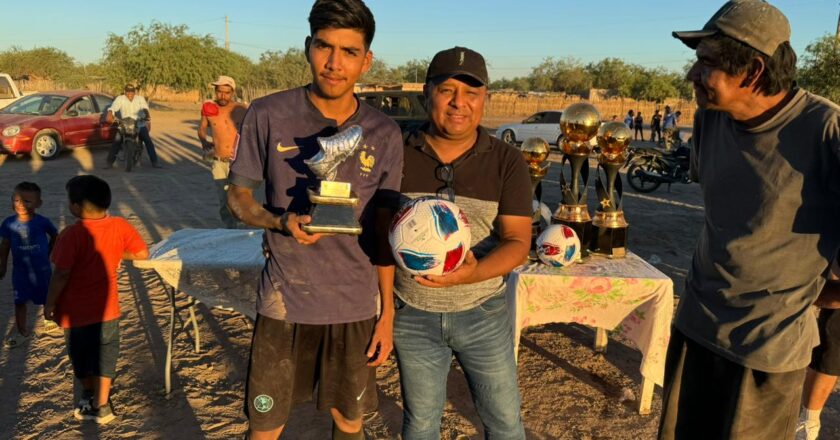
568, 391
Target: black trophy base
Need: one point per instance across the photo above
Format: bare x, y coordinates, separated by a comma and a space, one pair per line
333, 219
611, 242
582, 229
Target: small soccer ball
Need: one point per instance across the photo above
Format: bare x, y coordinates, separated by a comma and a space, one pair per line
558, 246
430, 236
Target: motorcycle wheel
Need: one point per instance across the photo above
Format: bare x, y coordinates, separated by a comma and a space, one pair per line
636, 178
128, 151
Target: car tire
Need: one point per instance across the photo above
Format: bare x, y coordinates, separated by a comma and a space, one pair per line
46, 145
559, 142
508, 137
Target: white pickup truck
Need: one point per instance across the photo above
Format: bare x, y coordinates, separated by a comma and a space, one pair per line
9, 92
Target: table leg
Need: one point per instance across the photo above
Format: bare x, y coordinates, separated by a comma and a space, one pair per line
168, 365
195, 327
646, 398
601, 340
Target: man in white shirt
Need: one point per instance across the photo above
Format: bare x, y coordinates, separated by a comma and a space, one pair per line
129, 105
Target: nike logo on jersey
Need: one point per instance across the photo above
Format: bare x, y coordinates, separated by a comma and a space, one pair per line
283, 149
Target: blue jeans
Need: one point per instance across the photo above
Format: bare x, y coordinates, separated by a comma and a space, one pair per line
482, 340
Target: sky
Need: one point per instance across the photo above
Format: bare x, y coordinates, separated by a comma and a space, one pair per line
514, 36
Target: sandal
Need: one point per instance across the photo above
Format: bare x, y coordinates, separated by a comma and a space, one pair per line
50, 327
15, 340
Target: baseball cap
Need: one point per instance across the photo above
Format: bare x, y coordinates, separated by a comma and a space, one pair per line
224, 81
458, 61
756, 23
130, 88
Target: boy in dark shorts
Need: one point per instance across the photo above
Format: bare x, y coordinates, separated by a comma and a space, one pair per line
82, 296
29, 237
316, 308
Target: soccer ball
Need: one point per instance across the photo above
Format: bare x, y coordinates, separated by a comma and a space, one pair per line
430, 236
558, 246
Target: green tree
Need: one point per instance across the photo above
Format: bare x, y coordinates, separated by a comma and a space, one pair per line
819, 72
41, 62
655, 85
379, 72
613, 74
282, 70
563, 75
167, 55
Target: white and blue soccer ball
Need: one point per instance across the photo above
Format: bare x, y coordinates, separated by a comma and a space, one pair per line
430, 236
558, 246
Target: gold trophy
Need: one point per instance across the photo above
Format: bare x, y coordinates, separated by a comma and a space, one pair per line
579, 124
334, 201
535, 151
610, 227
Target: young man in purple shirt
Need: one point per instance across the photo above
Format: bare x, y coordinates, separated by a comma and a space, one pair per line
316, 322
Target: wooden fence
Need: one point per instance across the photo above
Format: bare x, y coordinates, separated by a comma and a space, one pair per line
499, 104
518, 104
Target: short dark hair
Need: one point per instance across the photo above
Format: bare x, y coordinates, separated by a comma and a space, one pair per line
28, 187
91, 189
735, 58
342, 14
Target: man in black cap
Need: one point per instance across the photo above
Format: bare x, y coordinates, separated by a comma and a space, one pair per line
464, 312
766, 157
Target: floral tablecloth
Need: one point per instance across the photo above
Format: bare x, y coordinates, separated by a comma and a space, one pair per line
627, 295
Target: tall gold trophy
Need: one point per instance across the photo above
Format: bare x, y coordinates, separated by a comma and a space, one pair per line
535, 151
610, 227
334, 201
579, 124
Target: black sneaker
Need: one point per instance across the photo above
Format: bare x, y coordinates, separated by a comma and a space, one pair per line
101, 415
84, 404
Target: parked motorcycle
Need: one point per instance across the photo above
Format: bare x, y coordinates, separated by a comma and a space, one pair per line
131, 144
649, 168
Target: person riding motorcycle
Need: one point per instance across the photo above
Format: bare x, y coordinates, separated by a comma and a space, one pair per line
129, 105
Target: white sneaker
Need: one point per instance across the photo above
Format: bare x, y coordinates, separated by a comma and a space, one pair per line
807, 430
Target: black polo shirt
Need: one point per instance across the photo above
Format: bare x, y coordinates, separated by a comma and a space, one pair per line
491, 179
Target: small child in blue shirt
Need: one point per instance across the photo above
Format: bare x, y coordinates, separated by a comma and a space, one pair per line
30, 238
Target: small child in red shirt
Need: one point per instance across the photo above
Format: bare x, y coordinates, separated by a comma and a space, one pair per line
82, 296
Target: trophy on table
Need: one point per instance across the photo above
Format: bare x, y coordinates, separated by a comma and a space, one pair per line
535, 151
610, 227
333, 200
579, 124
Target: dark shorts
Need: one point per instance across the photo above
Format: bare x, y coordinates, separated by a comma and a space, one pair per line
94, 349
288, 360
825, 357
709, 397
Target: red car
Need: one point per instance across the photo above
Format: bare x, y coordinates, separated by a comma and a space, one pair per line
46, 122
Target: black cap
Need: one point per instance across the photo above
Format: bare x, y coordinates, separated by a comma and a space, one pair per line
129, 88
755, 23
458, 61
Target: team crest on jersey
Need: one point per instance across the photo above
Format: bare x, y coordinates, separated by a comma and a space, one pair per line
366, 160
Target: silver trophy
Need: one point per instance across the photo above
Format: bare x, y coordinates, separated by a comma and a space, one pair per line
333, 200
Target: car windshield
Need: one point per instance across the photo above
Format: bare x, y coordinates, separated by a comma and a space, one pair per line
40, 105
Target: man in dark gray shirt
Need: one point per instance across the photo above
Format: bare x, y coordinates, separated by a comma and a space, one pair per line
767, 157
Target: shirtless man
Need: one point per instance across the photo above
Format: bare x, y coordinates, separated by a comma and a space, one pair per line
223, 115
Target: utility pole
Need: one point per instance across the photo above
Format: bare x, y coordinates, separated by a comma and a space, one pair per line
837, 34
227, 34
